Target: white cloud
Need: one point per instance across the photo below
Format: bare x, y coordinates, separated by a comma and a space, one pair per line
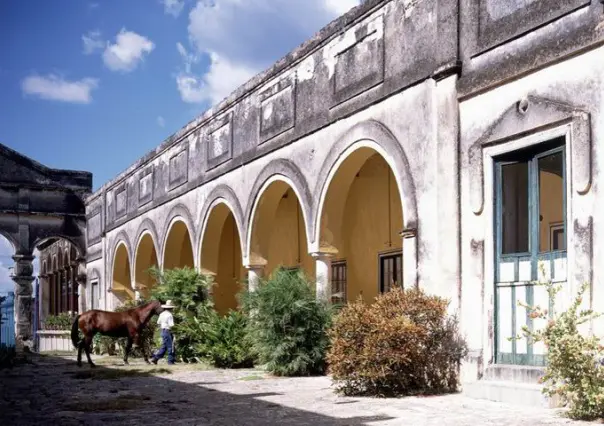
160, 121
129, 50
221, 79
241, 38
340, 7
173, 7
92, 42
55, 88
6, 261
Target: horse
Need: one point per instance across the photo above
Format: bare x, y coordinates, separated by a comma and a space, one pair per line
129, 324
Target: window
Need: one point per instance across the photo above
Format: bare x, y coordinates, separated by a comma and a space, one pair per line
94, 295
338, 282
531, 202
391, 271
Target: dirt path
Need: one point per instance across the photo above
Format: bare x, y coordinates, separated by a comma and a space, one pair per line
54, 391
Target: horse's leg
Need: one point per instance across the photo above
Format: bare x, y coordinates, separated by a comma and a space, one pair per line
80, 347
140, 344
127, 350
88, 348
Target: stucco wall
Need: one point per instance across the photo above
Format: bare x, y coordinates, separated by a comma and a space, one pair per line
557, 95
408, 144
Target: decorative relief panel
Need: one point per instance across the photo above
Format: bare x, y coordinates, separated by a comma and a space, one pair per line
178, 169
500, 21
145, 186
121, 200
93, 227
278, 108
358, 60
219, 141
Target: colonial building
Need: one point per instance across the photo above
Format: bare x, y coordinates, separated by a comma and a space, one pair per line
447, 145
59, 291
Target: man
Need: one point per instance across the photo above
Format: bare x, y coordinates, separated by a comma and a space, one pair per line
166, 322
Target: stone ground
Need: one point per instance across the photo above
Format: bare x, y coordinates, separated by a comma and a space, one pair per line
52, 390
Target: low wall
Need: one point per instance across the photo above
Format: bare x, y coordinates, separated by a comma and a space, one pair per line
54, 341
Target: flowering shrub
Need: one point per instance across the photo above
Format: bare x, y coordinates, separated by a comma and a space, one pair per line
574, 368
404, 343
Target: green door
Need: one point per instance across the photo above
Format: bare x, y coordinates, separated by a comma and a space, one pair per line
530, 219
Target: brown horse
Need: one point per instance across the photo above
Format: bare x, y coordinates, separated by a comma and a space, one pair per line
129, 324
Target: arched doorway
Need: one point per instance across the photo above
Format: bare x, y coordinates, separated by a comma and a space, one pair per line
145, 258
178, 249
121, 284
360, 224
221, 257
278, 231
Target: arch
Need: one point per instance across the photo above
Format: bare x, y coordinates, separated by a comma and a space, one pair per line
367, 156
287, 172
221, 194
145, 257
178, 239
121, 276
277, 228
10, 240
147, 226
220, 254
375, 135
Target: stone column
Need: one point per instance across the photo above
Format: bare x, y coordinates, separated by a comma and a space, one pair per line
45, 297
254, 274
323, 275
80, 278
23, 279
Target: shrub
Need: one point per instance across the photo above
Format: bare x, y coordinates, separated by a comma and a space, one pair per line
288, 326
574, 369
224, 340
188, 289
402, 344
62, 321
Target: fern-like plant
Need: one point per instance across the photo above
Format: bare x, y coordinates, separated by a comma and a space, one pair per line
288, 325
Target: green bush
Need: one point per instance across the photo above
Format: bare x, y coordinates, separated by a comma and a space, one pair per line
574, 369
224, 340
188, 290
287, 325
62, 321
402, 344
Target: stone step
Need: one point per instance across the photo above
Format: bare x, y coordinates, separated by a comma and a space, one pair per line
525, 394
514, 373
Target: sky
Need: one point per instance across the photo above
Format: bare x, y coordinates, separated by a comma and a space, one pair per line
94, 85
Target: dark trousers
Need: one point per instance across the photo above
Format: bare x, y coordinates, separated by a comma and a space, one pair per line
166, 345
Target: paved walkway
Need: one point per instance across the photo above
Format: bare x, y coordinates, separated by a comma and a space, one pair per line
53, 391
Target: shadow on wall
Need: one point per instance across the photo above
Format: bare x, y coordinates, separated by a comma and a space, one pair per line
54, 389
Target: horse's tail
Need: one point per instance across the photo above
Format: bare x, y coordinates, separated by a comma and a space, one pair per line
74, 332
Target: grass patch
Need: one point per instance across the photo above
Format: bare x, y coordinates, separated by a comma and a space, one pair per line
115, 373
252, 377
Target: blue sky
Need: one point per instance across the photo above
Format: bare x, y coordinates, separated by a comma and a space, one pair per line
94, 85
